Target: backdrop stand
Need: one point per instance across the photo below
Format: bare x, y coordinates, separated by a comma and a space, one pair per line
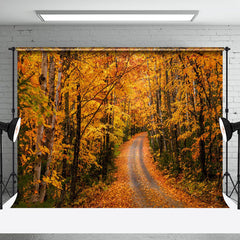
238, 174
13, 174
227, 174
2, 185
1, 178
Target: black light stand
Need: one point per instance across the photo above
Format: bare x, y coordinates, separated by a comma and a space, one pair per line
236, 187
227, 174
227, 130
12, 130
1, 172
2, 185
13, 174
238, 174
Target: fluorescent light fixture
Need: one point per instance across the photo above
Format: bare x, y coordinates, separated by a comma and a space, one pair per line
117, 16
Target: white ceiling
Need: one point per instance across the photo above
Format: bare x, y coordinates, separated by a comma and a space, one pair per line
211, 12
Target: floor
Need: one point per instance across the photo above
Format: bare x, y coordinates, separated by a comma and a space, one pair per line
119, 236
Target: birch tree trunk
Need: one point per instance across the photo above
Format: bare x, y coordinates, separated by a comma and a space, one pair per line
67, 130
50, 132
40, 129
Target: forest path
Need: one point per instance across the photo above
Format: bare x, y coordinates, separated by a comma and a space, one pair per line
147, 192
140, 184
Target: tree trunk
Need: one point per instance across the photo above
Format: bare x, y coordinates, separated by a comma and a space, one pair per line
74, 169
168, 100
38, 161
202, 142
66, 141
51, 120
163, 145
153, 130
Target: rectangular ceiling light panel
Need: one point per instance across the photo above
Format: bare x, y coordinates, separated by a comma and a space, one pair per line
117, 16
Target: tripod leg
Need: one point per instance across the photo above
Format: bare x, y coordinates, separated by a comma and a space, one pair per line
234, 189
5, 189
227, 168
1, 177
233, 184
238, 174
13, 176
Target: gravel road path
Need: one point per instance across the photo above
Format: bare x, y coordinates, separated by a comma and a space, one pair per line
148, 193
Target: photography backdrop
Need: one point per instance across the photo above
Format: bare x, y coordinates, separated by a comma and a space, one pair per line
120, 127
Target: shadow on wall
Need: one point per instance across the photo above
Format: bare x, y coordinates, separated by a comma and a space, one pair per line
119, 236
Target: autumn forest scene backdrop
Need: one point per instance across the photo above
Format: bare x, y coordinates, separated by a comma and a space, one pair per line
119, 128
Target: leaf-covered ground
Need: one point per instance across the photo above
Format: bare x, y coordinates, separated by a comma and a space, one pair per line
139, 183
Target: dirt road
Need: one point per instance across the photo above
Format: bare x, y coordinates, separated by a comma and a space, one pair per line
147, 192
139, 184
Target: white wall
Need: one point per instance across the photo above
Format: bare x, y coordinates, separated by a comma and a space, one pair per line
119, 36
